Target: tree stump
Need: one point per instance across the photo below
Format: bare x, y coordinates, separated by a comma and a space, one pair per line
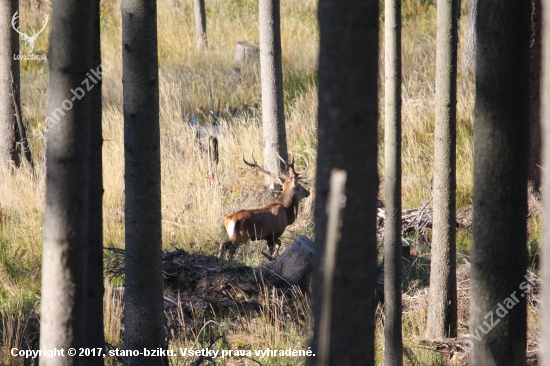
213, 156
246, 52
294, 265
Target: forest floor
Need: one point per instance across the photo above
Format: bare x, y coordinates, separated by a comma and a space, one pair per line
192, 85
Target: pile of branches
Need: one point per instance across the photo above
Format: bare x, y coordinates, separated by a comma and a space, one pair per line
459, 349
204, 283
418, 222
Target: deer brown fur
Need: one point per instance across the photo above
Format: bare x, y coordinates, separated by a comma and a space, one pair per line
269, 222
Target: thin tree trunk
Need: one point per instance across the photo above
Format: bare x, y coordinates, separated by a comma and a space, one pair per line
468, 57
442, 320
94, 315
22, 144
9, 77
347, 135
200, 24
535, 134
63, 310
143, 310
393, 346
273, 108
544, 344
501, 139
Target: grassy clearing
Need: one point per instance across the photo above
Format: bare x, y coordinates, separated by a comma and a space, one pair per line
192, 204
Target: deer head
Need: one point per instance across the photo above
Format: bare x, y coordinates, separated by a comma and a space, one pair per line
292, 190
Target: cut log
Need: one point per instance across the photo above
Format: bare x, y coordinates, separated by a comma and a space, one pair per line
294, 265
246, 52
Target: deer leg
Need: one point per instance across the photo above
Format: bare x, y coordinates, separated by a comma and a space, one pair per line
270, 243
232, 249
278, 242
226, 246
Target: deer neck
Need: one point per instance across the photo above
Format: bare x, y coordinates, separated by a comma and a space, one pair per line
290, 203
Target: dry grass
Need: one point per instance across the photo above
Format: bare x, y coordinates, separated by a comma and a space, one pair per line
278, 325
192, 204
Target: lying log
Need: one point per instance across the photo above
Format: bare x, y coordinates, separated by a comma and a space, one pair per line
294, 264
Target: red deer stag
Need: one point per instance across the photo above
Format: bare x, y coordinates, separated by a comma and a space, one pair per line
270, 221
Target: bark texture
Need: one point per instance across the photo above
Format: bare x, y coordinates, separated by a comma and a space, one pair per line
442, 317
535, 134
200, 24
273, 107
544, 343
9, 78
143, 311
347, 135
94, 315
501, 139
468, 57
63, 311
393, 341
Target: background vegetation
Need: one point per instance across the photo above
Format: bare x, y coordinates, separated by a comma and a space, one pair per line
193, 203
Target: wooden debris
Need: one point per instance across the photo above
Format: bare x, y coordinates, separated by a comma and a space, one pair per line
246, 52
419, 221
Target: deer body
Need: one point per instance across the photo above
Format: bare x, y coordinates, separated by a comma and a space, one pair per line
266, 223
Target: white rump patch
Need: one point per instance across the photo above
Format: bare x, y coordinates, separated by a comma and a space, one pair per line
230, 228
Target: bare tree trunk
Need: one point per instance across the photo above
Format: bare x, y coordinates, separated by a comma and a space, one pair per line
200, 24
544, 344
535, 134
63, 311
442, 320
501, 139
9, 77
393, 347
348, 115
94, 315
143, 310
468, 57
273, 108
22, 144
545, 121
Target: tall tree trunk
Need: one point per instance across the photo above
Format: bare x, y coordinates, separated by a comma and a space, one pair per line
393, 348
143, 310
501, 139
442, 321
63, 311
273, 108
347, 135
535, 134
468, 57
200, 24
9, 78
94, 315
544, 344
22, 143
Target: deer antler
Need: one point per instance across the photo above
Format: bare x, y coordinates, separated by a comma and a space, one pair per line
300, 175
256, 166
